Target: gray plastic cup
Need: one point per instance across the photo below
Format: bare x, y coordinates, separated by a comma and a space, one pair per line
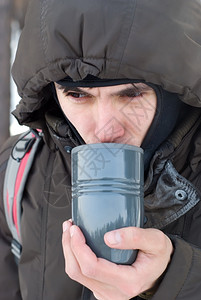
107, 194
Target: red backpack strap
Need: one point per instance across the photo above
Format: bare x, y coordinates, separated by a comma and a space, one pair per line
19, 165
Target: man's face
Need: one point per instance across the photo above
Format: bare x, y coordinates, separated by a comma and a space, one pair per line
112, 114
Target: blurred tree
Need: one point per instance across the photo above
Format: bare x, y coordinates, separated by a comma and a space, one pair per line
9, 10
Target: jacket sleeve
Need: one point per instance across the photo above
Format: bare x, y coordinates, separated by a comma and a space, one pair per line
9, 283
182, 280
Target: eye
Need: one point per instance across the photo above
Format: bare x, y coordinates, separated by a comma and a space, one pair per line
132, 95
76, 95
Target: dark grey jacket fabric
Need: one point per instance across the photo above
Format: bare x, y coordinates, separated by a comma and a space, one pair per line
154, 41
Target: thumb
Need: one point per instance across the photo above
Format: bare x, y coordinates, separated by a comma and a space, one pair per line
147, 240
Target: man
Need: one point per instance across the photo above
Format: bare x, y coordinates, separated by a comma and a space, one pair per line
90, 110
109, 71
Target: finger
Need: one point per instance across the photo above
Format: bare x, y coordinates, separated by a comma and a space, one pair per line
147, 240
85, 257
109, 275
72, 264
155, 250
72, 267
121, 278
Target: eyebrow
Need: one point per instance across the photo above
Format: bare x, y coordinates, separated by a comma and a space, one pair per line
124, 92
133, 89
66, 89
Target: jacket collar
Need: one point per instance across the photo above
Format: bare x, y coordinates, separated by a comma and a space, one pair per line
168, 192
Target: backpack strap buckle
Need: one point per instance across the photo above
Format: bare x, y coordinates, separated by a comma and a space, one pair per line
16, 249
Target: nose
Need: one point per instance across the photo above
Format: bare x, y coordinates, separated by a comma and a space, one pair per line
109, 126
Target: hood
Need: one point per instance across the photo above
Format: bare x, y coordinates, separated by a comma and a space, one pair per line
154, 41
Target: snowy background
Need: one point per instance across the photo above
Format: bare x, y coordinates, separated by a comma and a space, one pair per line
15, 128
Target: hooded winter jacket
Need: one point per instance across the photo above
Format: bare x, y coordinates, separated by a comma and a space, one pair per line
154, 41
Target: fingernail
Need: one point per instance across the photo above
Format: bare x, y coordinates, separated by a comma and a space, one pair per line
72, 230
65, 226
113, 237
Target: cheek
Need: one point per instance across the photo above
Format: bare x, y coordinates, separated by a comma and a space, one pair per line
83, 122
80, 116
139, 116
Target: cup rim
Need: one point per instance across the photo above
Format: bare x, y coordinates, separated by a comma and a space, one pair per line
108, 145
